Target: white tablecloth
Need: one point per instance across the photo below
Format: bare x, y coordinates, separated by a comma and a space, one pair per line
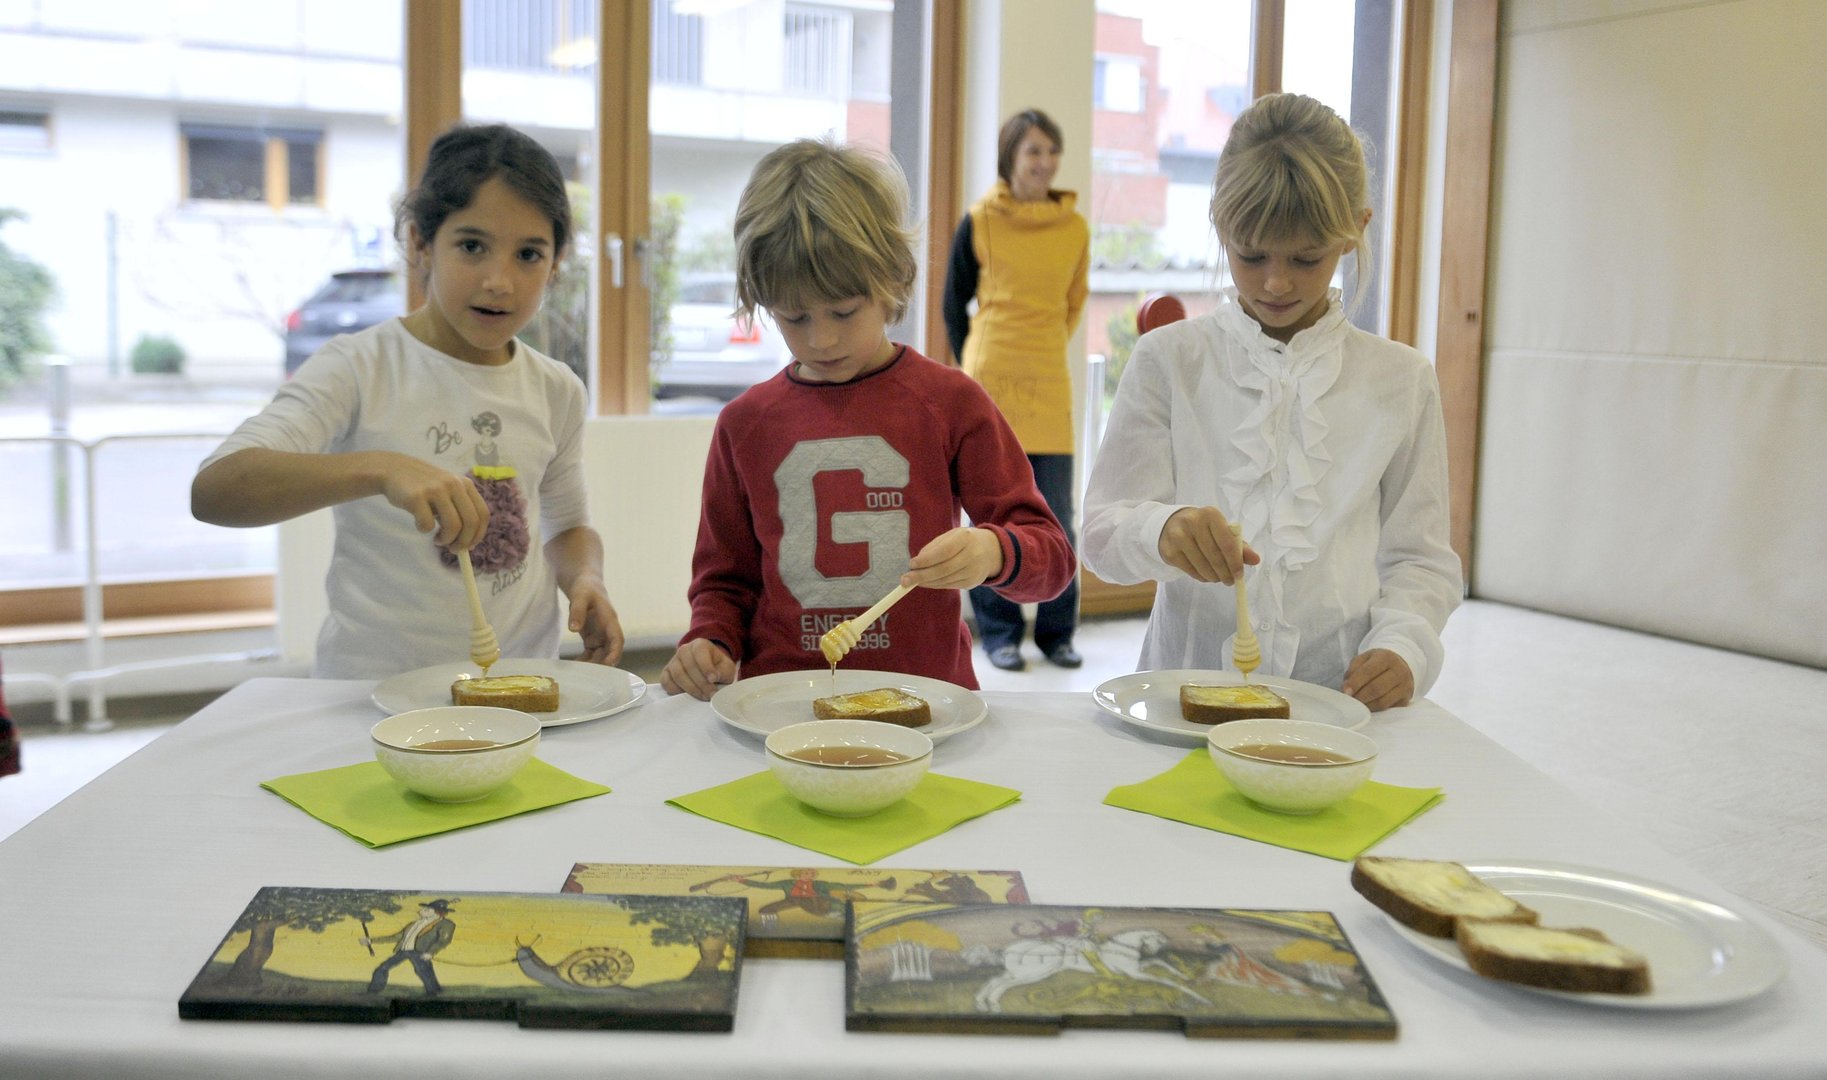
114, 898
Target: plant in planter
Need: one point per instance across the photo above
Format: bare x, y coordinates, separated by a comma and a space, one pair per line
155, 355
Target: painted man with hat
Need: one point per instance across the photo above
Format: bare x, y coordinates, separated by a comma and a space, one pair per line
418, 941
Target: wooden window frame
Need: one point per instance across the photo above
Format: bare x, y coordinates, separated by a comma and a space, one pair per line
275, 172
432, 73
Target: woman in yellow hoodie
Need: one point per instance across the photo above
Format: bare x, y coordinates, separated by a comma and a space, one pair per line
1023, 253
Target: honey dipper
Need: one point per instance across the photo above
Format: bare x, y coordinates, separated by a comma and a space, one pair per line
1245, 653
483, 648
843, 637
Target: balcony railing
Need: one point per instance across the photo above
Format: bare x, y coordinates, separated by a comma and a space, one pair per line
546, 36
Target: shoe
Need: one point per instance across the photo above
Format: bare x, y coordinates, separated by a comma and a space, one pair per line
1065, 656
1008, 658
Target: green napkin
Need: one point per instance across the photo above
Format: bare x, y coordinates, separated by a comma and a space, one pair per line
373, 807
760, 804
1195, 792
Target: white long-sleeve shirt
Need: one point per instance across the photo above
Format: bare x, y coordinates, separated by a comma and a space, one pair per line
1329, 450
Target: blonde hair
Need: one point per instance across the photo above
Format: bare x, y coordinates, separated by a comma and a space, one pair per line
820, 222
1292, 170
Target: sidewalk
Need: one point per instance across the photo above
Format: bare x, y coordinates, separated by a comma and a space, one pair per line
143, 523
134, 404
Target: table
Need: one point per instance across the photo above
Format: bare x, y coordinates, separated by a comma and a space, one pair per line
114, 898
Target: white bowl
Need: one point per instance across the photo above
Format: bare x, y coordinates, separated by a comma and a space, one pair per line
455, 775
1292, 787
849, 790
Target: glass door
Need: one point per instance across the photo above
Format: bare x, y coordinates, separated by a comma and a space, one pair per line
730, 80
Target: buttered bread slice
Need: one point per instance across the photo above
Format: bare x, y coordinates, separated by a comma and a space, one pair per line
528, 693
1431, 896
1576, 960
887, 704
1217, 704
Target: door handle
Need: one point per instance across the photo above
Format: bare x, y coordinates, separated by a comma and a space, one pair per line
612, 254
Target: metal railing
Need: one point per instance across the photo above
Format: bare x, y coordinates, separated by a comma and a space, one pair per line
96, 671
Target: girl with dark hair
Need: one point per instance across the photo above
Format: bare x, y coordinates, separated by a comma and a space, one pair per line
379, 425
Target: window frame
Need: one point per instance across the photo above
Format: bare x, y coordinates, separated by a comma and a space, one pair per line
432, 72
275, 167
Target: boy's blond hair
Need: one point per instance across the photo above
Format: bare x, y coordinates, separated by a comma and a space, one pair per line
1291, 170
821, 222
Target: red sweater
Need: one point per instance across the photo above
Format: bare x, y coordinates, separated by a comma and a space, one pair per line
816, 495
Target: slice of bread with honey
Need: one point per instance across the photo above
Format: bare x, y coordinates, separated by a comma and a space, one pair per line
1430, 896
1217, 704
888, 705
1553, 958
528, 693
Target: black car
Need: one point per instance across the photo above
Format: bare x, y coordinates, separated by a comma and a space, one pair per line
351, 300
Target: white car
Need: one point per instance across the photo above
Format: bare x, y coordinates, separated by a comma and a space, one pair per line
714, 354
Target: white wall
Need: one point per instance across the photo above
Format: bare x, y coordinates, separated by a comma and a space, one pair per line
1656, 350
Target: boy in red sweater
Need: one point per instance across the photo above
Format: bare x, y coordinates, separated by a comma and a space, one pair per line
845, 474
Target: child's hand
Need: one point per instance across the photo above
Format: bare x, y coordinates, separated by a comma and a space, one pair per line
593, 616
1198, 540
698, 669
1379, 679
956, 559
438, 500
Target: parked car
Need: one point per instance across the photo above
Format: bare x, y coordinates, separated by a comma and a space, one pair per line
713, 354
351, 300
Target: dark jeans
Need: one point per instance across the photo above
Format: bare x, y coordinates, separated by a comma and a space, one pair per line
999, 621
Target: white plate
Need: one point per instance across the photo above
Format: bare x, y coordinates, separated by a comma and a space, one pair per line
761, 704
585, 691
1699, 952
1151, 700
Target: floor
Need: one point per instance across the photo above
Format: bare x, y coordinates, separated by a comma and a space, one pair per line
1630, 722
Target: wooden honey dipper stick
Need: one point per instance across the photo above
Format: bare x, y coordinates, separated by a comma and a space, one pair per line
843, 637
1245, 652
483, 648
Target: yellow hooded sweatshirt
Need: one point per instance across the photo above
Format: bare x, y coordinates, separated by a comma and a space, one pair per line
1034, 259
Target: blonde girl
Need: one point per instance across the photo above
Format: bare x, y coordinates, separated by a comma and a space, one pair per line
1322, 441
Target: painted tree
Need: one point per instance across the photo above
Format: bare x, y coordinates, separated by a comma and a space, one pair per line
298, 909
679, 920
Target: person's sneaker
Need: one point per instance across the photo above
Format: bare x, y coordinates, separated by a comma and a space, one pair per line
1008, 658
1065, 656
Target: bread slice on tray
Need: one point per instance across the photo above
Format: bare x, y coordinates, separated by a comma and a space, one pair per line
888, 705
1576, 960
1430, 896
528, 693
1218, 704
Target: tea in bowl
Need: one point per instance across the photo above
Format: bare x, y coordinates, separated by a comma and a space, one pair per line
1292, 766
455, 753
848, 768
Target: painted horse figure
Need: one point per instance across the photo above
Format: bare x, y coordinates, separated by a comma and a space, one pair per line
1128, 955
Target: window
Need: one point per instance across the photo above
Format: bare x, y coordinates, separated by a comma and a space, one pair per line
24, 130
678, 45
818, 51
1116, 84
279, 167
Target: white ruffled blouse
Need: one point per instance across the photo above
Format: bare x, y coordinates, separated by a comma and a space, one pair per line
1329, 450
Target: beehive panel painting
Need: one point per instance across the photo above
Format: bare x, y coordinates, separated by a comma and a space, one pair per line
1037, 969
543, 960
798, 911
